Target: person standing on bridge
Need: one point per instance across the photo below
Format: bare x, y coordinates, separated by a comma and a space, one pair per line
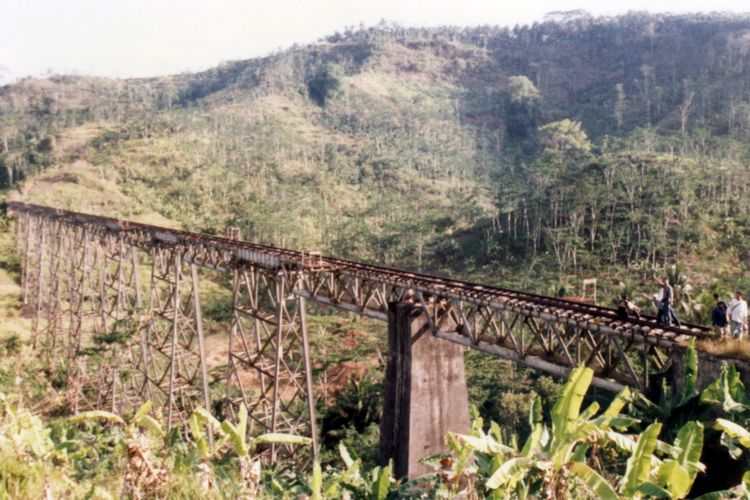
667, 315
719, 318
737, 314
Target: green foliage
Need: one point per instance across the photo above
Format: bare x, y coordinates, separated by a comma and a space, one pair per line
721, 408
324, 83
690, 376
12, 344
219, 309
639, 464
678, 474
556, 465
727, 392
566, 411
47, 144
29, 462
522, 107
565, 137
522, 90
503, 392
353, 419
594, 481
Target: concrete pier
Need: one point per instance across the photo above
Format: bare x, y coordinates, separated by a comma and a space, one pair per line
425, 392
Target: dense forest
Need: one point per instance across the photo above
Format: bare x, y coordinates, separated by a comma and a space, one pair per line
613, 147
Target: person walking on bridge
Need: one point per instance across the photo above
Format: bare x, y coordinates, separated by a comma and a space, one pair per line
737, 313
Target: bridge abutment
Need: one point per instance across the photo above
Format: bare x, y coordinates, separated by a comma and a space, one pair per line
425, 392
709, 369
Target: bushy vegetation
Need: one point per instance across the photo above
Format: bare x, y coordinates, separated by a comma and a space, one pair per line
578, 451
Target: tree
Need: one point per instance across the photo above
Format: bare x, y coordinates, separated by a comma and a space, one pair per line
565, 138
522, 90
619, 107
687, 102
522, 107
644, 85
324, 83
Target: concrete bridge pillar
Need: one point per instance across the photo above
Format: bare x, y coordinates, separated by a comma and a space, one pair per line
425, 392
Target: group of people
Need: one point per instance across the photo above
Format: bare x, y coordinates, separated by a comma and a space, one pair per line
663, 300
726, 318
729, 319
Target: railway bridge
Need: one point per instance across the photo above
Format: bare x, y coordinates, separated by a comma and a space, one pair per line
130, 292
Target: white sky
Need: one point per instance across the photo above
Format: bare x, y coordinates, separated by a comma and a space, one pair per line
124, 38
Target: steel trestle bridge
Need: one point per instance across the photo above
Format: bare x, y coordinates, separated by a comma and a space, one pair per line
82, 282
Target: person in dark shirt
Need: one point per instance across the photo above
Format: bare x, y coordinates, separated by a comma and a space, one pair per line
719, 318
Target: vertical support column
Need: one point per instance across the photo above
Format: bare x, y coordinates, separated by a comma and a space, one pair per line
201, 344
175, 328
308, 375
425, 392
278, 355
39, 297
26, 258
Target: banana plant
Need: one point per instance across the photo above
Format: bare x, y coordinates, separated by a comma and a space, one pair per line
732, 435
210, 436
235, 434
727, 392
140, 419
353, 481
672, 477
553, 463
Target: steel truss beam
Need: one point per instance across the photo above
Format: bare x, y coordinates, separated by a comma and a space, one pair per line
82, 283
511, 330
269, 368
169, 357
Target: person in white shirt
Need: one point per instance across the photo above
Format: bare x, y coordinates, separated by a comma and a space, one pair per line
737, 313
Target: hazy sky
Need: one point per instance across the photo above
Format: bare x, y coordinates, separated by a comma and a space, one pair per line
125, 38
